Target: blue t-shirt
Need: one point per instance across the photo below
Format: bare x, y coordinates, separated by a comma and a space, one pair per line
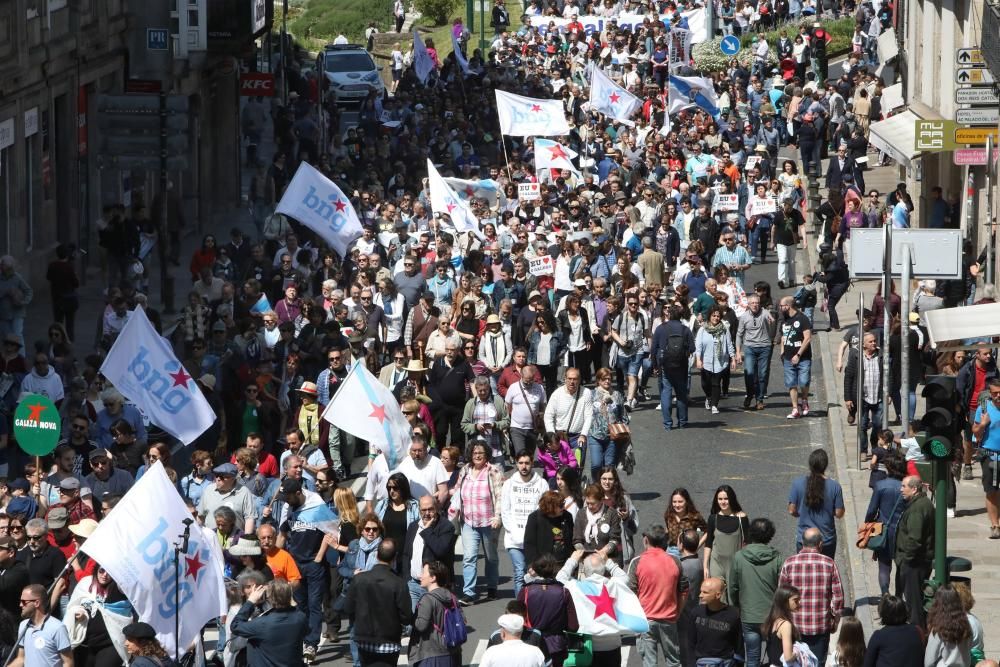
990, 439
823, 518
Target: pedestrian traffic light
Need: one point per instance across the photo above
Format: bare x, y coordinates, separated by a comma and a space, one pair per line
939, 422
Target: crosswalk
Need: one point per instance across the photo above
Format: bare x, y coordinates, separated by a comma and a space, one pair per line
481, 647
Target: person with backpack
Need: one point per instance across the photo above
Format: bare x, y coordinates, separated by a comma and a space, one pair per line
670, 351
438, 627
754, 344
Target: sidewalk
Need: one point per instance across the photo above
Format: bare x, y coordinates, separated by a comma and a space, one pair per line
92, 301
967, 534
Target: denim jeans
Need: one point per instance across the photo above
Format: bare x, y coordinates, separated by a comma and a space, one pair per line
871, 417
517, 565
416, 591
309, 598
674, 383
602, 453
471, 539
662, 635
756, 368
751, 644
819, 645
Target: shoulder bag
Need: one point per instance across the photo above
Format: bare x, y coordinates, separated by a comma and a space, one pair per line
536, 419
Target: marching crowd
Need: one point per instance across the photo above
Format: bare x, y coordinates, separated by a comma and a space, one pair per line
518, 378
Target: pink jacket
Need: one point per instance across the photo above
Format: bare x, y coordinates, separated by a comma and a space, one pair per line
551, 464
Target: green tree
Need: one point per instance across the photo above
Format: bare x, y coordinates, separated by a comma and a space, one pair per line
438, 11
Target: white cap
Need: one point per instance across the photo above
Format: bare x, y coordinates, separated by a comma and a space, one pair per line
512, 623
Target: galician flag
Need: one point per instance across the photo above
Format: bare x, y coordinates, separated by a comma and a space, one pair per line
317, 202
366, 408
262, 305
606, 606
688, 91
553, 155
423, 64
529, 117
142, 366
135, 544
484, 188
460, 58
445, 202
316, 514
611, 99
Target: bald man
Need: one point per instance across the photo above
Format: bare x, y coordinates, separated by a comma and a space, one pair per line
822, 594
716, 628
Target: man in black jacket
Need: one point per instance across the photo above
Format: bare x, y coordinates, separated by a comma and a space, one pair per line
379, 606
671, 348
427, 540
871, 406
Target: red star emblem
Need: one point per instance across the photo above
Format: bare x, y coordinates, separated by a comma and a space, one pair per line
614, 97
535, 107
469, 191
340, 205
180, 378
194, 566
36, 412
603, 603
557, 152
378, 412
451, 207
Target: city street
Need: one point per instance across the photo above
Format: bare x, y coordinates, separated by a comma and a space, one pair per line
757, 453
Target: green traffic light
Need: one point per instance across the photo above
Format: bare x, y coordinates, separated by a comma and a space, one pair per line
940, 448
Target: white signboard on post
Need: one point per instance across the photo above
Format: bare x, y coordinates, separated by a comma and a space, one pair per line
935, 253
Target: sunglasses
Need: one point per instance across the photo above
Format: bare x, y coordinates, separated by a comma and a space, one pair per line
370, 529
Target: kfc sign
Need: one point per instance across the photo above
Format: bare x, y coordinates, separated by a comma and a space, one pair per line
254, 84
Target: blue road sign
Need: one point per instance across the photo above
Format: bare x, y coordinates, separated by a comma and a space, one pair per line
730, 45
156, 39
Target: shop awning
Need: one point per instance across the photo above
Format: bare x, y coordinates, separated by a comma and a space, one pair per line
896, 136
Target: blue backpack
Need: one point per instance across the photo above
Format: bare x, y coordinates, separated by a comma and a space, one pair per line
454, 631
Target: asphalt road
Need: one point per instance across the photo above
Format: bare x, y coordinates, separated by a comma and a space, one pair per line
757, 453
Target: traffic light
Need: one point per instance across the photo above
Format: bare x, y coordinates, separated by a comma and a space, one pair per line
940, 422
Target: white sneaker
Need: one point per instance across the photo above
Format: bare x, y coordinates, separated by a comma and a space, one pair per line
659, 407
805, 408
951, 513
794, 414
715, 410
708, 405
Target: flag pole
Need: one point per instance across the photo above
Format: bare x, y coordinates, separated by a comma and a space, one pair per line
503, 143
179, 548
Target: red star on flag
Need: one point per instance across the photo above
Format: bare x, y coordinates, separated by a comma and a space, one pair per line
614, 97
469, 191
194, 566
180, 377
340, 205
557, 152
451, 207
36, 412
603, 603
536, 107
378, 412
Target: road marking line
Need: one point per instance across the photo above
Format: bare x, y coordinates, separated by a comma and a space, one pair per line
480, 649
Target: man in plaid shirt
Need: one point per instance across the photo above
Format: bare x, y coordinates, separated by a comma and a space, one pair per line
822, 595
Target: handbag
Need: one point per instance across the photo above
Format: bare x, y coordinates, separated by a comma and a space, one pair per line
867, 531
536, 419
619, 432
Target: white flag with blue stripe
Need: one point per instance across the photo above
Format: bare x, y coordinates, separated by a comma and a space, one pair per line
611, 99
366, 408
522, 116
484, 188
688, 91
444, 201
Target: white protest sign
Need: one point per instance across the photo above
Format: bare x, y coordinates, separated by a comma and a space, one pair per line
764, 206
752, 162
529, 191
540, 266
727, 202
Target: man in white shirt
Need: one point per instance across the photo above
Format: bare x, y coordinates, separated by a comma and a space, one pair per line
378, 475
512, 652
525, 402
569, 410
426, 474
519, 498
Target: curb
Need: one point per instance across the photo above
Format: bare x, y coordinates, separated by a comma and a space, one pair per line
854, 511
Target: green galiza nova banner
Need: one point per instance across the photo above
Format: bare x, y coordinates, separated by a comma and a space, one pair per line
37, 424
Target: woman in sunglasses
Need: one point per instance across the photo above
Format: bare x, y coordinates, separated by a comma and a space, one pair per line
103, 611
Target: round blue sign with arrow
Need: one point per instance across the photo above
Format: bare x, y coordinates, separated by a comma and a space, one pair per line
730, 45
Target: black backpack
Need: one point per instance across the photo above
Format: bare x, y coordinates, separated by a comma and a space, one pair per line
673, 355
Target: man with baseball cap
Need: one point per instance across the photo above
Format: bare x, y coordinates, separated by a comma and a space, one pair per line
105, 478
227, 492
69, 499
